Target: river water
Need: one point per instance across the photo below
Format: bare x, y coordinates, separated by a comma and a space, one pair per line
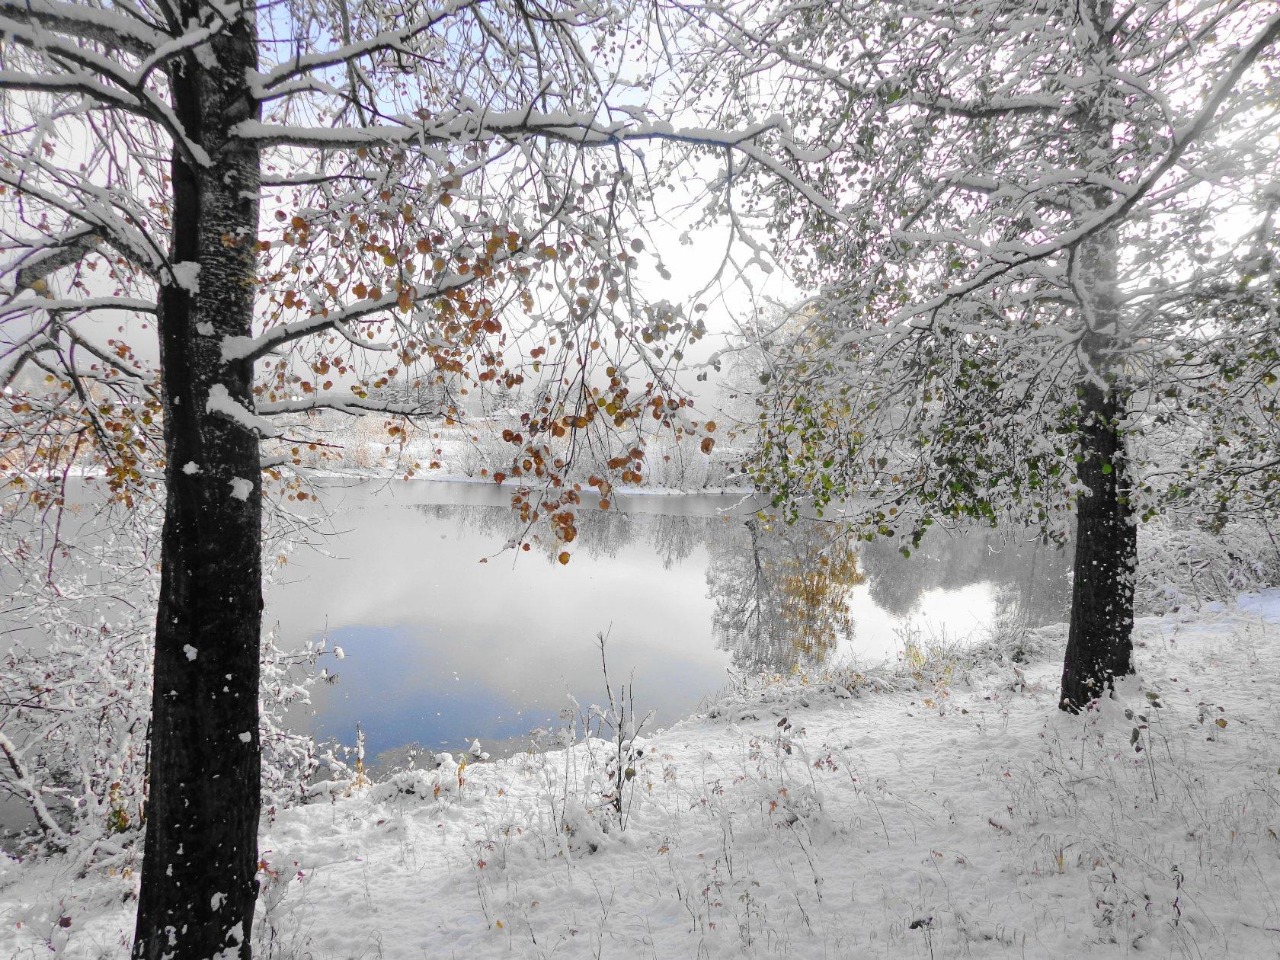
449, 638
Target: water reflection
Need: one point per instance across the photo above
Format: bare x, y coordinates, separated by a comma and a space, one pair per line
602, 534
782, 593
1035, 575
442, 647
788, 597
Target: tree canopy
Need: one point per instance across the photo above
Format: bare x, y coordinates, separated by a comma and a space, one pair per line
1036, 200
220, 218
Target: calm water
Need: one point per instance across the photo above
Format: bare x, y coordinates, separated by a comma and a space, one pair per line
449, 639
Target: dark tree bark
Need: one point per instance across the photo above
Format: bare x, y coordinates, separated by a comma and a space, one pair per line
1100, 637
1100, 642
201, 855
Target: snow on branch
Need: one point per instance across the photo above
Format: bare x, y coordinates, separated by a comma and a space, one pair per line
81, 81
109, 27
222, 403
43, 259
22, 785
251, 348
579, 129
73, 307
63, 43
92, 206
273, 84
1190, 133
354, 407
1128, 195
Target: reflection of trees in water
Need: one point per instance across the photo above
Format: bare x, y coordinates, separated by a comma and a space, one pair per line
781, 593
602, 534
1036, 574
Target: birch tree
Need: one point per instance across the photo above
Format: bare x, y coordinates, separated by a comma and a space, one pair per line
305, 201
1031, 196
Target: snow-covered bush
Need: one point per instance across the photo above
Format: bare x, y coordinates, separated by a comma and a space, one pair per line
482, 452
1182, 564
290, 759
589, 784
680, 463
75, 685
74, 704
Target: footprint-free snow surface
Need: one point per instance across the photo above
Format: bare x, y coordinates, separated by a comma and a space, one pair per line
945, 808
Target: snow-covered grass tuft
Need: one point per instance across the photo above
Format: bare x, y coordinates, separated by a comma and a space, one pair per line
931, 662
941, 808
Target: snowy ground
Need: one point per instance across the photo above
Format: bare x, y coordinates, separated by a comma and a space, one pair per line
945, 810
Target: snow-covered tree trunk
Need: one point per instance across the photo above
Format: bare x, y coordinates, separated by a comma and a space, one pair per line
201, 855
1099, 641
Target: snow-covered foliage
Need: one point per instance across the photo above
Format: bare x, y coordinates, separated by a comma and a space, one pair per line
452, 208
75, 687
1036, 197
1182, 564
1031, 267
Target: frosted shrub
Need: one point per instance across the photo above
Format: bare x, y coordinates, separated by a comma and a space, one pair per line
75, 692
291, 760
1180, 564
443, 779
73, 724
74, 704
482, 452
590, 783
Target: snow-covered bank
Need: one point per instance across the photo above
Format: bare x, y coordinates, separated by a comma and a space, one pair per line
374, 448
388, 473
946, 810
